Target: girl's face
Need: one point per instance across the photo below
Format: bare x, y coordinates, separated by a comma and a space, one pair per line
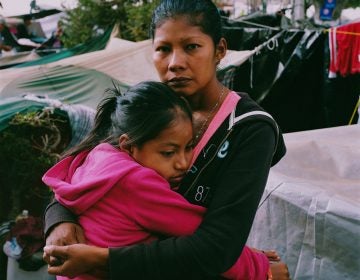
184, 56
170, 153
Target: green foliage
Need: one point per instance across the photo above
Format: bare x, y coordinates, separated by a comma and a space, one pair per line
93, 17
136, 27
28, 147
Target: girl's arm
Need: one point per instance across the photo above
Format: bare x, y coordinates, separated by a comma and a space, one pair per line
63, 226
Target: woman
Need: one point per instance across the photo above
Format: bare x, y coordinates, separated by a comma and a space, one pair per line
236, 144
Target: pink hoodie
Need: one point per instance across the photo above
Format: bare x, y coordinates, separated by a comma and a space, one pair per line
118, 201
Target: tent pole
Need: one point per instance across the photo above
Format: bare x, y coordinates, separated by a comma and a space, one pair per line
298, 13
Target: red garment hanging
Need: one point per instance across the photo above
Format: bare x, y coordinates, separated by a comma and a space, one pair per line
344, 44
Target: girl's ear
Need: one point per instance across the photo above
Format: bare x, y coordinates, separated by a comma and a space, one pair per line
221, 49
124, 144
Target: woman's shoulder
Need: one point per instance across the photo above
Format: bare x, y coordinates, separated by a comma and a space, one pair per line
246, 104
248, 109
249, 112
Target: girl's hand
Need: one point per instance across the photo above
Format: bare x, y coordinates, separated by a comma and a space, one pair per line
63, 234
272, 255
279, 271
77, 259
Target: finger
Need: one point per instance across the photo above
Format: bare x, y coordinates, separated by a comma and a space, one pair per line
56, 251
54, 261
54, 270
56, 242
79, 234
46, 257
60, 271
80, 238
51, 260
48, 249
272, 256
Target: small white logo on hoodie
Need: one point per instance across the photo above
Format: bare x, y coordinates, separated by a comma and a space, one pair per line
224, 149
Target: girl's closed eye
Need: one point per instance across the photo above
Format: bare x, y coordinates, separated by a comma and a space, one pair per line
189, 148
167, 154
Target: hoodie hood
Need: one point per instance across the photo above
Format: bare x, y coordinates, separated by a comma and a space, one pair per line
83, 179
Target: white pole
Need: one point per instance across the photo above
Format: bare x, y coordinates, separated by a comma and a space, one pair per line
298, 11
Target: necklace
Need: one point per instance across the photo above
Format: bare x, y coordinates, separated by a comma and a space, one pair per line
204, 124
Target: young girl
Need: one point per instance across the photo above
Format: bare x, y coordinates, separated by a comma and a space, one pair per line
119, 181
236, 144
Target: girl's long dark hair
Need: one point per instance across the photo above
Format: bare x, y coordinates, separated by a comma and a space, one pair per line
102, 123
142, 112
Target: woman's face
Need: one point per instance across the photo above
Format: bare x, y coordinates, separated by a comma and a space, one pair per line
184, 56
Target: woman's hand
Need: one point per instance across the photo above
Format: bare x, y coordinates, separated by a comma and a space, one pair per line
279, 271
77, 259
63, 234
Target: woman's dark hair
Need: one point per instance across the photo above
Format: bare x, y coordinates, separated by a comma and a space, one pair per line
142, 112
202, 13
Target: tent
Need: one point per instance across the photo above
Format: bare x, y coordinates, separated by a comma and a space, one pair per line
310, 210
83, 78
19, 8
43, 56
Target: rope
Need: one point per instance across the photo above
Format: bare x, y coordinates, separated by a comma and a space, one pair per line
342, 32
355, 109
272, 39
269, 194
255, 24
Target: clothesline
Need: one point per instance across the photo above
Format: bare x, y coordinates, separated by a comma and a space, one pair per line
255, 24
342, 32
355, 109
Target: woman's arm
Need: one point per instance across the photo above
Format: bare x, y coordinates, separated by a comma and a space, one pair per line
217, 243
156, 208
214, 247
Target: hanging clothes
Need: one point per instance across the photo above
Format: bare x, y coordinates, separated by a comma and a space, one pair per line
344, 44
